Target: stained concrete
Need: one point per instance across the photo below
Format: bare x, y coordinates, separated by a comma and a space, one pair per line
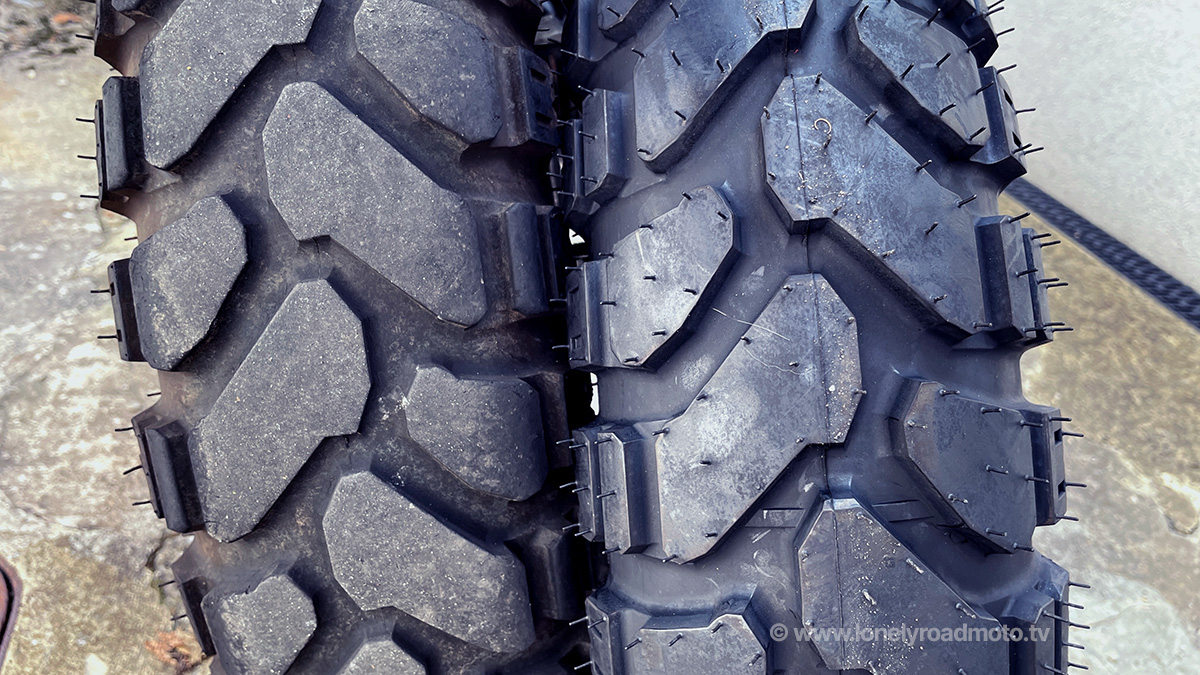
91, 562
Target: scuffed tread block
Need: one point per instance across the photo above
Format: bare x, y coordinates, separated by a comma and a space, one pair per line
975, 457
384, 210
196, 62
816, 144
791, 382
181, 276
305, 379
693, 65
260, 632
855, 575
924, 69
385, 550
629, 309
382, 657
488, 433
409, 41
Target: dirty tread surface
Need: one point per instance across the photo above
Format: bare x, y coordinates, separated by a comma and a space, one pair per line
200, 57
831, 433
266, 627
415, 233
181, 276
347, 276
305, 380
385, 549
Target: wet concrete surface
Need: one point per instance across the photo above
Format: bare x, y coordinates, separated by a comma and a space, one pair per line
1129, 376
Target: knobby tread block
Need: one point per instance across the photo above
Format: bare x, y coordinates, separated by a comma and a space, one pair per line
696, 61
1004, 150
730, 640
628, 308
816, 143
385, 551
885, 142
408, 41
199, 58
305, 379
265, 627
385, 210
119, 147
791, 382
180, 277
925, 69
487, 432
993, 495
854, 573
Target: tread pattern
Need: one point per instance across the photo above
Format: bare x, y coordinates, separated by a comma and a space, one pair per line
199, 58
692, 66
816, 144
396, 35
729, 641
640, 297
994, 503
488, 433
865, 459
927, 67
177, 296
778, 391
878, 582
382, 656
385, 211
385, 550
275, 411
266, 626
347, 262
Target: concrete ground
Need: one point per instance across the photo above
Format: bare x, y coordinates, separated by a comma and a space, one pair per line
91, 563
1128, 375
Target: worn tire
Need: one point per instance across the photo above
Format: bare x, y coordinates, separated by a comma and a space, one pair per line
806, 317
345, 275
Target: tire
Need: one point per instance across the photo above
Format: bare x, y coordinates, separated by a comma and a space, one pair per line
805, 318
345, 276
